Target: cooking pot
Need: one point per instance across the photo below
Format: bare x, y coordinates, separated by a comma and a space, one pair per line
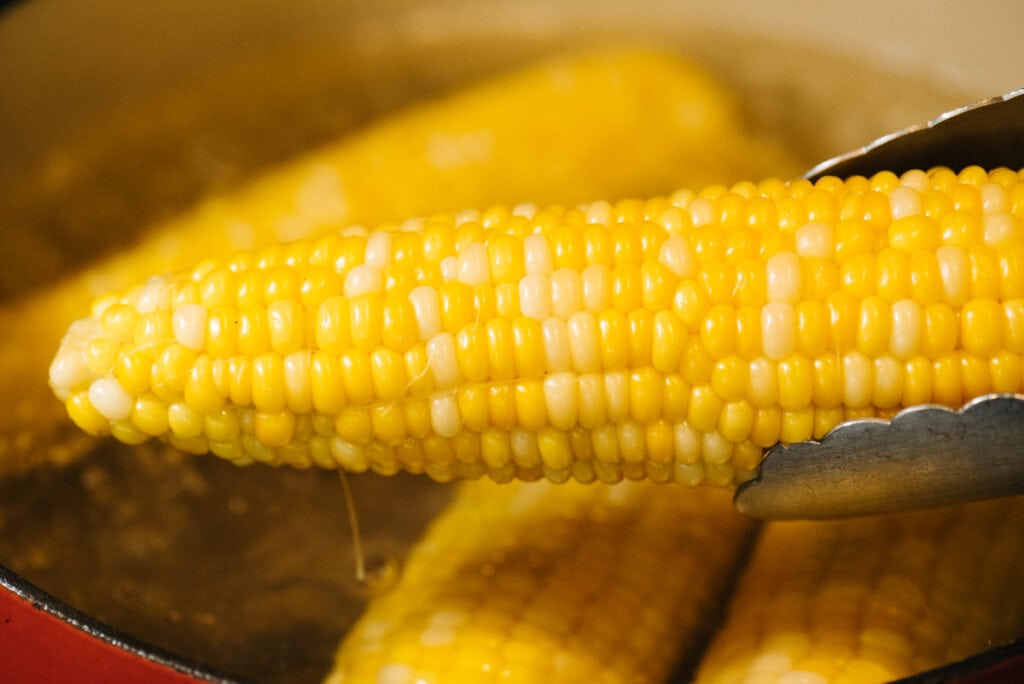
146, 565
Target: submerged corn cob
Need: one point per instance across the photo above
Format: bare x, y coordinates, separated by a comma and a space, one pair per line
874, 599
672, 339
519, 136
544, 583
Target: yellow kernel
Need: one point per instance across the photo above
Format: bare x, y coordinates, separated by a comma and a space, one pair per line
472, 353
149, 415
387, 367
888, 382
274, 428
704, 408
201, 391
730, 377
767, 427
253, 331
286, 326
627, 287
917, 381
357, 376
981, 326
326, 390
1006, 370
796, 382
748, 332
946, 379
797, 425
828, 381
645, 395
812, 328
365, 321
531, 409
892, 269
332, 325
914, 233
736, 420
718, 330
184, 421
874, 325
925, 278
268, 393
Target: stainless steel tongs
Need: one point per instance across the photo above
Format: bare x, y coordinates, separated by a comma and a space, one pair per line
926, 456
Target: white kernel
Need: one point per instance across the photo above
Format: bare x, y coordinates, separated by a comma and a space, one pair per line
715, 448
427, 306
599, 212
904, 201
858, 379
677, 253
556, 344
298, 390
778, 330
562, 400
783, 277
994, 197
449, 268
354, 230
955, 270
413, 225
597, 283
68, 371
566, 292
1001, 227
702, 212
189, 326
395, 673
444, 415
525, 210
466, 216
906, 329
442, 360
814, 240
535, 296
378, 249
537, 255
362, 279
110, 399
616, 394
151, 295
473, 264
584, 347
686, 443
915, 179
349, 456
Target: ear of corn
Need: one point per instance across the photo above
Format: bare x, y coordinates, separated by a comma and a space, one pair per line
873, 599
518, 137
672, 338
551, 583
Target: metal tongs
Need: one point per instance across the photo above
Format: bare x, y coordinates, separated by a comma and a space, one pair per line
928, 455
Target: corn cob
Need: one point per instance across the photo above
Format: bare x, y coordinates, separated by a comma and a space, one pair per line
873, 599
551, 583
673, 338
519, 136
